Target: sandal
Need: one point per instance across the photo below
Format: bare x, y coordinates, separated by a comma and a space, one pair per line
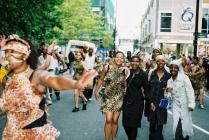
75, 109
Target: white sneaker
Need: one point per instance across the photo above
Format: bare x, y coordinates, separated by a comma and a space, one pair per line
48, 102
201, 106
90, 99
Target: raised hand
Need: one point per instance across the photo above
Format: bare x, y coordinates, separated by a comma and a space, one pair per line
97, 96
50, 48
85, 79
2, 40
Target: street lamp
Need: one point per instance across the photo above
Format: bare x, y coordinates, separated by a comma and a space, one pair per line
196, 28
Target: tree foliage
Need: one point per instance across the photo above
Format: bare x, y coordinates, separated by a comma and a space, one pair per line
136, 44
79, 22
107, 39
47, 20
33, 19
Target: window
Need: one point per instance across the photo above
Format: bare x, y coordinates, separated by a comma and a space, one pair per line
165, 25
205, 20
149, 26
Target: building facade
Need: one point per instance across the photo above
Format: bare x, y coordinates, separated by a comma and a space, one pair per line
107, 9
203, 40
125, 45
169, 25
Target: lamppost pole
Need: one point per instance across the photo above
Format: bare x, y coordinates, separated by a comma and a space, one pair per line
115, 28
196, 28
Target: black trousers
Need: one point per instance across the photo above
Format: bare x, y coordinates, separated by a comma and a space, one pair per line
57, 92
88, 93
179, 135
131, 132
155, 132
207, 79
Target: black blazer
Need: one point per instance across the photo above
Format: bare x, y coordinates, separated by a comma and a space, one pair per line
133, 104
155, 94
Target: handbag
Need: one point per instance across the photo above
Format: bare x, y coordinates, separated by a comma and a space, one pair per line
101, 91
165, 103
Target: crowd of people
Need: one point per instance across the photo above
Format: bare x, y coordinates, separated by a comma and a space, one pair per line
134, 84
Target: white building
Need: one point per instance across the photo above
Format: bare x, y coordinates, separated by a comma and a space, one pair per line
169, 25
125, 45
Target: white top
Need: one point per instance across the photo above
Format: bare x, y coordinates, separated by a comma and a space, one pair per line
53, 64
89, 61
183, 97
182, 90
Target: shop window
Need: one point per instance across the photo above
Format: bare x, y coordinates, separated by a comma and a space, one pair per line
165, 25
205, 20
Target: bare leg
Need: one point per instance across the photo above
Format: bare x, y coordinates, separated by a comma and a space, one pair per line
115, 124
108, 125
76, 95
201, 96
82, 96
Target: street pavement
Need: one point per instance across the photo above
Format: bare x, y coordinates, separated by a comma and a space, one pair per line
88, 124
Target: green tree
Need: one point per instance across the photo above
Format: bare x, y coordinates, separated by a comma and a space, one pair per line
107, 39
32, 19
78, 20
136, 44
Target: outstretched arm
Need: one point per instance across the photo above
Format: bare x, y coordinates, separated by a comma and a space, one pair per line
63, 83
100, 82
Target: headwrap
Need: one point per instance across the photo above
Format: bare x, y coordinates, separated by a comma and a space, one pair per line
20, 46
160, 57
175, 62
156, 50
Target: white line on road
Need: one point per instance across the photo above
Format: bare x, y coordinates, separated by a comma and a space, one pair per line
195, 126
206, 96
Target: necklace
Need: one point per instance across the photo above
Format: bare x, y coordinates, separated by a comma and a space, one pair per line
15, 75
24, 71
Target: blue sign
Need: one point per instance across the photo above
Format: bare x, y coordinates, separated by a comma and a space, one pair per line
187, 15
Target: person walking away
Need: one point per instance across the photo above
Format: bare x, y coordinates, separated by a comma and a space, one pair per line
71, 59
198, 78
157, 116
183, 102
89, 63
133, 103
79, 69
113, 77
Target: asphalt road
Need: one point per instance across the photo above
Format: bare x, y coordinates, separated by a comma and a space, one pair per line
88, 125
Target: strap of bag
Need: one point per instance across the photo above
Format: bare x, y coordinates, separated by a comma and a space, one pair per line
108, 68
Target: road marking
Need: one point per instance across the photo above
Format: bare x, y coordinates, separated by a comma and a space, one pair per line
195, 126
206, 96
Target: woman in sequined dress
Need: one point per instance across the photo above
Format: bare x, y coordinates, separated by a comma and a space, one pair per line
113, 77
79, 69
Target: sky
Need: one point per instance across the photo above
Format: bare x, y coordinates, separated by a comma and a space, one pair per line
129, 14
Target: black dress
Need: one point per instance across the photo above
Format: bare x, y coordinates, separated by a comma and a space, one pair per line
133, 104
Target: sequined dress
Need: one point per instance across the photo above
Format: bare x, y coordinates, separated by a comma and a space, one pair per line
114, 90
78, 69
20, 100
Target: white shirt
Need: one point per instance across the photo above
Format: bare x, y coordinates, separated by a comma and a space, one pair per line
53, 64
90, 61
